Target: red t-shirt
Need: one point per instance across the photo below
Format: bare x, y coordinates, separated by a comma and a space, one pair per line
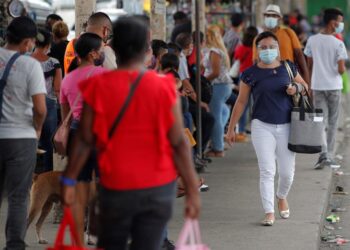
245, 55
139, 155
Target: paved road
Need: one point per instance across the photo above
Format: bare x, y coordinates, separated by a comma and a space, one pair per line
232, 208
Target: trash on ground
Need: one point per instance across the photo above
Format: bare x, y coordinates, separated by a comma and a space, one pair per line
335, 166
339, 173
339, 209
341, 241
339, 157
341, 193
333, 218
329, 227
339, 189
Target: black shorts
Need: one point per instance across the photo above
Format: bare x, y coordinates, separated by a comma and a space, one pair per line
91, 164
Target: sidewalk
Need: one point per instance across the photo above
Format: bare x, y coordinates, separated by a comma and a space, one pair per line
232, 208
232, 211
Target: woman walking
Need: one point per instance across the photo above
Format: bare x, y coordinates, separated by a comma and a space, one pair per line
268, 80
217, 63
137, 159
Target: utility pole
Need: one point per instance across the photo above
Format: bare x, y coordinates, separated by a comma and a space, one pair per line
201, 13
83, 10
259, 7
158, 21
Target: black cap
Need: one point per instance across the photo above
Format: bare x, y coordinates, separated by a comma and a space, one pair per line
22, 27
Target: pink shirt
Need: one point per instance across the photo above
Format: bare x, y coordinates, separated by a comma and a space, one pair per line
69, 87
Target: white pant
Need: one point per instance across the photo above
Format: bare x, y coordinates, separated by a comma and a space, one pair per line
271, 144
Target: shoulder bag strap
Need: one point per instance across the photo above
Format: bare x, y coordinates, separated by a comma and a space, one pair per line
4, 77
126, 103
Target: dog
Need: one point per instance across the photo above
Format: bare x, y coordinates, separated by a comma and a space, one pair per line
45, 191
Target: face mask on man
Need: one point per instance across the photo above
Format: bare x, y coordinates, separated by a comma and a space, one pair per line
268, 55
99, 61
271, 22
340, 28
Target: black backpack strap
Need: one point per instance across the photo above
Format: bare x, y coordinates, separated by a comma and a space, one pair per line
126, 103
4, 77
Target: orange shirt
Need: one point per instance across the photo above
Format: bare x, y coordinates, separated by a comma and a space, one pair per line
288, 41
69, 55
139, 155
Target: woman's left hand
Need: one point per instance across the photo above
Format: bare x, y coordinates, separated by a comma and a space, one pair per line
291, 90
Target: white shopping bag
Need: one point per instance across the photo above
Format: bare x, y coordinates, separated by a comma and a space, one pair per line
190, 237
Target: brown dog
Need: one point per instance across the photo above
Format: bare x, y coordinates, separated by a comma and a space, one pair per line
45, 191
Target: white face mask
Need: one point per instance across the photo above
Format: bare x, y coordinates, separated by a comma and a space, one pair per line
271, 22
340, 28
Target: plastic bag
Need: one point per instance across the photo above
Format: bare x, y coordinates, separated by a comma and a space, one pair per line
190, 237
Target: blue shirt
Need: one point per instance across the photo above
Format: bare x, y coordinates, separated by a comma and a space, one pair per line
271, 102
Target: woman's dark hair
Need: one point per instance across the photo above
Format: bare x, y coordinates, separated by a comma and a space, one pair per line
174, 48
248, 37
44, 38
184, 40
157, 46
237, 19
86, 43
170, 60
73, 65
131, 39
263, 35
331, 14
201, 37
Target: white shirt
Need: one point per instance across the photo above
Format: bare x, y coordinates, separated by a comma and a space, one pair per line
224, 70
183, 68
326, 51
25, 80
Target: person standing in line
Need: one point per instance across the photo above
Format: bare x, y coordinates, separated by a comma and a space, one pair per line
232, 37
289, 44
217, 64
326, 57
53, 77
22, 114
182, 25
100, 24
51, 20
60, 33
268, 81
137, 186
89, 49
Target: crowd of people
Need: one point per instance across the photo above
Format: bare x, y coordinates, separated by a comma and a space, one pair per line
130, 97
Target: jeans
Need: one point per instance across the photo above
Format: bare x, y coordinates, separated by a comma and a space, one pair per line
271, 144
329, 101
139, 214
17, 162
243, 120
221, 113
207, 125
49, 128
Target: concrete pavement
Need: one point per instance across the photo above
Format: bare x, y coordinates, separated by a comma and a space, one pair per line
232, 209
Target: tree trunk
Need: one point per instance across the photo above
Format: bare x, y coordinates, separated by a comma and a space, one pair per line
5, 19
158, 22
83, 10
202, 19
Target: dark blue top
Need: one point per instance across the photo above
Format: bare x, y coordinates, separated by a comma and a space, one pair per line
271, 102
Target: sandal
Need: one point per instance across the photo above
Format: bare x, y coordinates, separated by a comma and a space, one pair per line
212, 153
267, 222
